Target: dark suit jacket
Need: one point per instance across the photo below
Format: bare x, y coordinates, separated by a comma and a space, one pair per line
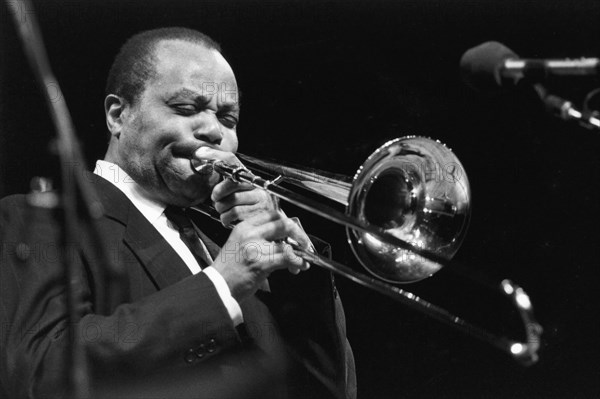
171, 335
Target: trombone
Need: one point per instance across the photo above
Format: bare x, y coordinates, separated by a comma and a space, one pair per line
407, 212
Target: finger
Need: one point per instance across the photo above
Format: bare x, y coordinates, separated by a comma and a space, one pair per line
266, 256
282, 260
283, 229
277, 229
270, 256
298, 261
227, 187
305, 265
240, 198
266, 251
240, 213
298, 236
296, 270
257, 219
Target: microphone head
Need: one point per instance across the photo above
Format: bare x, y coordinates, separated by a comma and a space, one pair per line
480, 66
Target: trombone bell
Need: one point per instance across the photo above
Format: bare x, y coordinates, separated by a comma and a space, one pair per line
415, 189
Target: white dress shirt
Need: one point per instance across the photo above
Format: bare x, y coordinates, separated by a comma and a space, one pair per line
154, 212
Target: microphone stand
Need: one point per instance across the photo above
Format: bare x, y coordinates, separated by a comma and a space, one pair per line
81, 208
565, 109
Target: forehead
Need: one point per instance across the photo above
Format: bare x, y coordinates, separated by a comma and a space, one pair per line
183, 64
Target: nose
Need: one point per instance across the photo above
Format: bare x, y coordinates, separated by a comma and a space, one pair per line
209, 129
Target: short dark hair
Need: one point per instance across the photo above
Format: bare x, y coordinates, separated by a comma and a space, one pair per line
134, 64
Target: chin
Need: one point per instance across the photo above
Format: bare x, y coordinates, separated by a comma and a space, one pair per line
192, 193
187, 188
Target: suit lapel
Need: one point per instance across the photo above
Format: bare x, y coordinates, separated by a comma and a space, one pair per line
154, 253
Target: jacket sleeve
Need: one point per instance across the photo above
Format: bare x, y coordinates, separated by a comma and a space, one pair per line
179, 327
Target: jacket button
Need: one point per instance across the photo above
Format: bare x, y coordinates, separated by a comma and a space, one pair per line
190, 356
211, 346
200, 351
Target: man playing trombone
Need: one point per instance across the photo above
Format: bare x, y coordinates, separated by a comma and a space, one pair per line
198, 319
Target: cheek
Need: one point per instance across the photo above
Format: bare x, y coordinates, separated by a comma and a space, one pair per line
153, 138
145, 150
157, 128
230, 142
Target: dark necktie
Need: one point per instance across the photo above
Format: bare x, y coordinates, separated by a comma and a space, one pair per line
188, 234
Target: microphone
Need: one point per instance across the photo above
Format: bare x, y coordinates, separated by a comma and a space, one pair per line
492, 65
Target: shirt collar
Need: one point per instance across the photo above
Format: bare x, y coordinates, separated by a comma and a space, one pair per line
150, 208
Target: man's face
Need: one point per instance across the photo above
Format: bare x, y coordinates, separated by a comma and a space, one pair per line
192, 102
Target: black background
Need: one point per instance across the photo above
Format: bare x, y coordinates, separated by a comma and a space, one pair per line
324, 84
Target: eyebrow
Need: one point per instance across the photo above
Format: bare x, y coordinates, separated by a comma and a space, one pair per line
189, 94
201, 98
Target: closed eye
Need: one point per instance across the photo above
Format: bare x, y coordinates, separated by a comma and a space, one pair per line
228, 120
185, 108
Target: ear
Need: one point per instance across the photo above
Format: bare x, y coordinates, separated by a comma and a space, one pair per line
114, 108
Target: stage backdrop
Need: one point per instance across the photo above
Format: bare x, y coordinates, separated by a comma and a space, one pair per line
324, 84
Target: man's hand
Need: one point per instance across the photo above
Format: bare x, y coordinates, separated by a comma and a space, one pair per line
236, 202
254, 250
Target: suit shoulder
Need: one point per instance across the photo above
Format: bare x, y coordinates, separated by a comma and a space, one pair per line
12, 205
12, 200
24, 209
47, 199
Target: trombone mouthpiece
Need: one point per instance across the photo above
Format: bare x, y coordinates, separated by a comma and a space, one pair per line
202, 166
